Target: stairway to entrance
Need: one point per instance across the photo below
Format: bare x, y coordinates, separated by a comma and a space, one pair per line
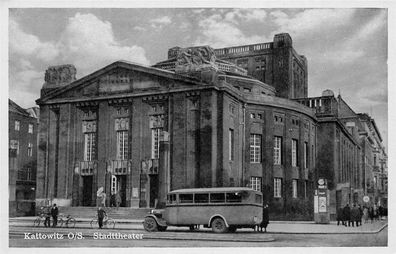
113, 212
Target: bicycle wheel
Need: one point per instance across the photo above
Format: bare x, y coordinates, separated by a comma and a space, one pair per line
37, 222
60, 222
94, 222
110, 223
71, 223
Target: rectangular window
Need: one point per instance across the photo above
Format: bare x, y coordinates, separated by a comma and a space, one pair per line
217, 198
201, 198
255, 148
234, 197
89, 146
294, 182
277, 187
30, 130
294, 152
30, 149
305, 155
28, 174
17, 125
14, 146
231, 144
255, 183
171, 198
122, 145
305, 188
155, 136
186, 198
277, 150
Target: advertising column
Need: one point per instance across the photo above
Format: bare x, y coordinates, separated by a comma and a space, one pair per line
321, 203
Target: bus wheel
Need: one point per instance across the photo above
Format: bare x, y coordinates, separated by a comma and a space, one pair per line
232, 229
150, 224
218, 225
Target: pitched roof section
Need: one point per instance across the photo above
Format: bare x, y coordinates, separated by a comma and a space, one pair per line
122, 64
13, 107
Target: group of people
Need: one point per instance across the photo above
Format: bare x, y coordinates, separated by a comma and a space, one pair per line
49, 212
348, 216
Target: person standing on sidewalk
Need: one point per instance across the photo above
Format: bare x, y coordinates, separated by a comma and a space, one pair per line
355, 215
101, 215
360, 214
265, 221
347, 215
54, 214
340, 216
47, 215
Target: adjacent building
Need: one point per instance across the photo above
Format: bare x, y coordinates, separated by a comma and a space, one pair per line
22, 131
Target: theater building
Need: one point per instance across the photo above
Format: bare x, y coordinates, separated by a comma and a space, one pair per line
143, 131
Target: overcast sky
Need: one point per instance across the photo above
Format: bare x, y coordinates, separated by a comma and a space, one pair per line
346, 48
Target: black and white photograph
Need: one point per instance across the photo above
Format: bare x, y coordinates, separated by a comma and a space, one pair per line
196, 125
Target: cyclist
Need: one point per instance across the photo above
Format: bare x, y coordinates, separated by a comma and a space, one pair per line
101, 215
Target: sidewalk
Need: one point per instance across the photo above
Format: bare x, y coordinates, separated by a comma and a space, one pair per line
275, 227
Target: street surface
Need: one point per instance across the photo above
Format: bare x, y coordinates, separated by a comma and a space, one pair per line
182, 237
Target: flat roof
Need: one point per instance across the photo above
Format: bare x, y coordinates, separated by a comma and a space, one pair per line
219, 189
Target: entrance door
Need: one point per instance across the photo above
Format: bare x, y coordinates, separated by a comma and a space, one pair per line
87, 190
118, 185
153, 190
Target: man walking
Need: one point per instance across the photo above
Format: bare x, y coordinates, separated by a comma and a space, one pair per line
54, 214
101, 215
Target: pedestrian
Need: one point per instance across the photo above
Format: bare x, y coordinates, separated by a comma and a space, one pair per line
371, 213
365, 214
264, 223
118, 199
355, 215
347, 215
360, 214
340, 216
101, 215
54, 214
47, 215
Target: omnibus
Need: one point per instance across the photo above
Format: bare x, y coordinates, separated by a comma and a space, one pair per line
222, 209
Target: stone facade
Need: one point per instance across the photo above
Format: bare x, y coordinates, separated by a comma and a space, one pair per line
143, 131
22, 131
346, 152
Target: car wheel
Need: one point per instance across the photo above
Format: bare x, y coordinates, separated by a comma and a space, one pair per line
218, 225
150, 224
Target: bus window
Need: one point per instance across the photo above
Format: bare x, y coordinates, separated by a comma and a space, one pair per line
234, 197
258, 199
186, 198
171, 199
217, 198
201, 198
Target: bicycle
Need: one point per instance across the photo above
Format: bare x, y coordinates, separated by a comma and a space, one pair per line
107, 222
40, 219
68, 220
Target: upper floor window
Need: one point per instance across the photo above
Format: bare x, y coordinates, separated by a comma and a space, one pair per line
17, 125
231, 144
255, 148
30, 130
122, 145
277, 150
30, 149
89, 146
305, 154
277, 187
155, 138
255, 183
14, 146
294, 152
294, 183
